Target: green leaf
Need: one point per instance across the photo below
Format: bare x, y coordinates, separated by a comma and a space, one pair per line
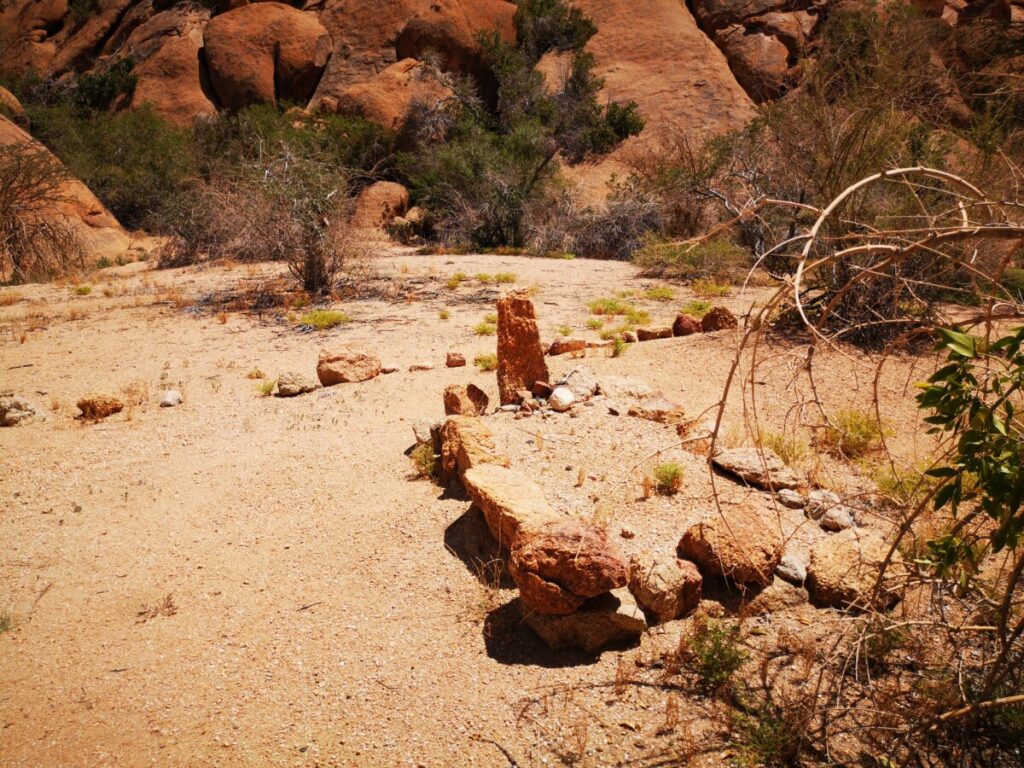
960, 343
941, 472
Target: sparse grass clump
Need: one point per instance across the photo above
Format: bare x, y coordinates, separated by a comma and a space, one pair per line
619, 346
505, 277
484, 328
256, 373
668, 478
851, 433
661, 293
266, 388
791, 450
444, 314
491, 318
696, 308
487, 362
5, 622
636, 316
770, 735
595, 323
708, 289
565, 330
81, 290
715, 258
425, 462
713, 651
608, 307
456, 280
322, 319
484, 277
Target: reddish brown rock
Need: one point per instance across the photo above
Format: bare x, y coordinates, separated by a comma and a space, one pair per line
541, 389
668, 588
347, 366
563, 564
564, 346
718, 319
263, 53
454, 360
390, 97
378, 204
844, 569
466, 442
465, 401
10, 106
685, 326
738, 544
512, 504
520, 357
650, 334
97, 406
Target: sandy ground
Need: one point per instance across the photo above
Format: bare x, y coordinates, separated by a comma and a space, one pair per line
247, 580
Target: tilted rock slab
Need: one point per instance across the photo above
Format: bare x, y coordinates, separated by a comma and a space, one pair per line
345, 367
761, 468
520, 356
512, 504
467, 400
613, 617
739, 544
466, 442
667, 587
844, 569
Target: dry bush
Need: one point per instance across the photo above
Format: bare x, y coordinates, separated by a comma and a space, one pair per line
37, 240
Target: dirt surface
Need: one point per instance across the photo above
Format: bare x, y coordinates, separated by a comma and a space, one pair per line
248, 580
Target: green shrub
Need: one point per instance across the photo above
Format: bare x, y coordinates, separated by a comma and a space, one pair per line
708, 289
444, 314
619, 346
80, 10
1013, 282
322, 319
714, 258
696, 308
713, 650
486, 362
81, 290
266, 388
791, 450
551, 25
484, 328
564, 330
425, 462
852, 433
660, 293
668, 478
595, 323
97, 91
771, 736
505, 277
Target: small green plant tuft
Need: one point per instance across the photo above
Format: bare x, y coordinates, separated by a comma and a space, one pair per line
444, 314
619, 346
486, 362
322, 319
668, 478
608, 307
696, 308
256, 373
425, 462
661, 293
81, 290
713, 651
565, 330
708, 289
5, 622
484, 328
456, 280
505, 277
852, 433
484, 277
266, 388
595, 323
791, 450
491, 318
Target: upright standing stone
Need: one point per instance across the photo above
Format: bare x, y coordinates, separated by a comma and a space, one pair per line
520, 357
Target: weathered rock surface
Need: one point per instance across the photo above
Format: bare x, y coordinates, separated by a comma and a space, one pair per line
843, 570
467, 400
12, 108
454, 360
610, 619
466, 442
561, 399
650, 334
16, 410
718, 319
792, 499
391, 97
263, 53
658, 408
621, 388
667, 587
565, 346
378, 204
562, 564
292, 384
762, 468
685, 325
581, 382
346, 366
520, 357
170, 398
793, 567
99, 406
512, 504
739, 544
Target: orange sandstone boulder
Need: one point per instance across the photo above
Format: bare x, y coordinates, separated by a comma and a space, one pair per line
520, 356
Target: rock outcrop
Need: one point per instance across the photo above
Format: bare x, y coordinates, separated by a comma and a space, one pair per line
467, 400
265, 53
378, 204
739, 544
466, 442
293, 384
558, 567
16, 410
608, 619
762, 468
345, 367
844, 569
390, 98
512, 504
520, 356
667, 587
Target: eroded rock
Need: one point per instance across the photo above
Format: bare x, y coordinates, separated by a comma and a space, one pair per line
512, 504
16, 410
346, 366
466, 442
667, 587
762, 468
844, 568
99, 406
467, 400
610, 619
738, 544
520, 357
718, 319
292, 384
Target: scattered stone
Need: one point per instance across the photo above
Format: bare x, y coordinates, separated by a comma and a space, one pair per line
378, 205
581, 382
16, 410
416, 367
561, 399
512, 504
659, 409
668, 588
466, 442
650, 334
621, 388
345, 367
520, 357
454, 360
718, 319
613, 408
389, 369
564, 563
510, 408
424, 432
627, 532
95, 407
525, 397
787, 497
685, 326
819, 501
467, 400
171, 398
600, 344
843, 570
292, 384
611, 618
630, 337
763, 468
776, 597
564, 346
837, 519
541, 389
792, 568
737, 544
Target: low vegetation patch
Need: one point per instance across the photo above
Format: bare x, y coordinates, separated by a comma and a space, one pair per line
484, 328
852, 433
668, 478
486, 362
713, 651
322, 319
425, 462
696, 308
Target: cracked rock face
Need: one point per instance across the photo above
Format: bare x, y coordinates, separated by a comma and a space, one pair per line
739, 544
16, 410
611, 618
520, 356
